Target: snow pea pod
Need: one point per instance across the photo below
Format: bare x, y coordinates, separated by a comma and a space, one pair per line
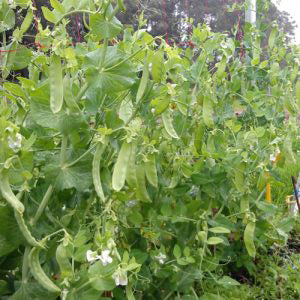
25, 231
167, 121
144, 81
131, 168
56, 84
38, 273
141, 190
63, 261
249, 238
9, 196
150, 170
68, 94
96, 171
120, 169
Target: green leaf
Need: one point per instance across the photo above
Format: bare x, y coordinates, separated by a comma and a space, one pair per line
219, 230
31, 290
209, 296
115, 75
14, 88
103, 28
101, 276
48, 14
249, 238
10, 236
78, 176
7, 18
214, 240
228, 281
177, 251
57, 6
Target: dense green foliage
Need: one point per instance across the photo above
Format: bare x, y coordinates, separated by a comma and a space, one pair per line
131, 166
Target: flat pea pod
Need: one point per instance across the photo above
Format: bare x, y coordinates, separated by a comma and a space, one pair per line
68, 94
96, 171
63, 261
168, 124
249, 238
120, 169
144, 81
27, 21
25, 231
56, 84
38, 273
151, 171
131, 168
198, 136
141, 190
8, 194
208, 112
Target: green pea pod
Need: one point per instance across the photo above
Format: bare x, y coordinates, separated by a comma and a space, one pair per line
198, 136
249, 238
8, 194
157, 66
120, 169
151, 171
56, 84
141, 190
38, 273
143, 84
63, 261
96, 171
27, 21
208, 112
298, 92
167, 121
131, 169
25, 231
68, 94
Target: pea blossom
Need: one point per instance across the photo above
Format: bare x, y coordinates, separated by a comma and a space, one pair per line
120, 277
161, 258
16, 144
92, 256
105, 258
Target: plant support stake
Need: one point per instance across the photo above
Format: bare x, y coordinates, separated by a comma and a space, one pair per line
296, 193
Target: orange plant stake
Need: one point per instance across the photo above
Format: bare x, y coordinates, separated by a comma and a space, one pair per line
268, 192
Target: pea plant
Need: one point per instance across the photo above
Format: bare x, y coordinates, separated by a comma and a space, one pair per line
133, 169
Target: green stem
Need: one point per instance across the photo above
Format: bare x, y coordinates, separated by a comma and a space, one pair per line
43, 205
64, 144
80, 157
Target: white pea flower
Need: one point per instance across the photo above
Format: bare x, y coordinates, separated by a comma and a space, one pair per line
105, 258
120, 277
91, 256
161, 258
15, 145
272, 157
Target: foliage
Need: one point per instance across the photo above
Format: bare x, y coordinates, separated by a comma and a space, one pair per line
171, 16
128, 162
